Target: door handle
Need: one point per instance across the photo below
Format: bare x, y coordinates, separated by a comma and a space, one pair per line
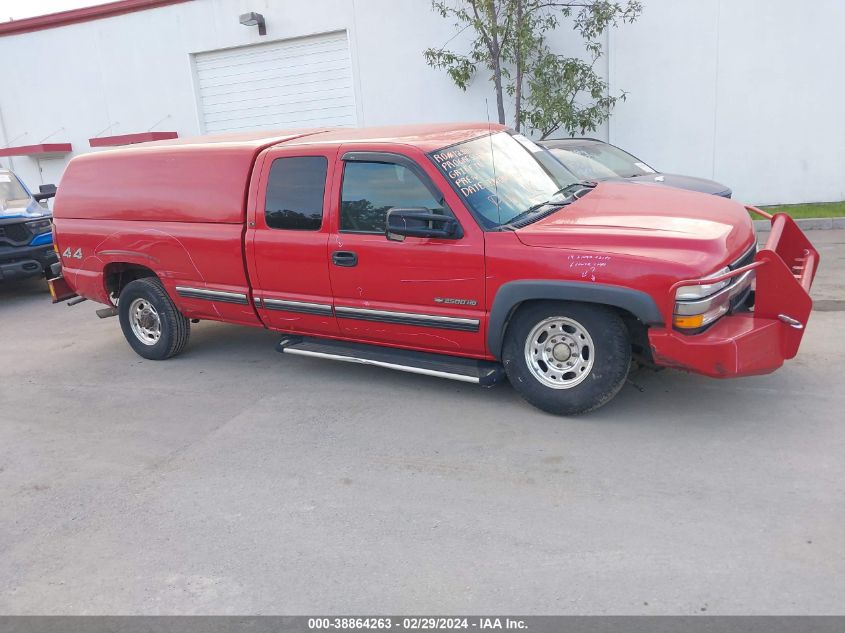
345, 258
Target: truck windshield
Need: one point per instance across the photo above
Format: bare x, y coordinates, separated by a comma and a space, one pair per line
12, 193
502, 176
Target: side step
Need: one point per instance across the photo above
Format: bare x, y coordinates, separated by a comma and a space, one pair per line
480, 372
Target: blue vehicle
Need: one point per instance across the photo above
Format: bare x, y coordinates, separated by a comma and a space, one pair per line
26, 229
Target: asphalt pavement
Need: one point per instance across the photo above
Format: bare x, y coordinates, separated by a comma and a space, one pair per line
235, 480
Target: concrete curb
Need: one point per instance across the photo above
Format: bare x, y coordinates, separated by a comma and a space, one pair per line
807, 224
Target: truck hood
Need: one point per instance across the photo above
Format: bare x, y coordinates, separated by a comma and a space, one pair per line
699, 232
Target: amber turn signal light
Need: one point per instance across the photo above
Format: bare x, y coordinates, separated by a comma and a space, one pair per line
694, 321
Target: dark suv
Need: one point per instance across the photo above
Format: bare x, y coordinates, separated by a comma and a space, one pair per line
26, 237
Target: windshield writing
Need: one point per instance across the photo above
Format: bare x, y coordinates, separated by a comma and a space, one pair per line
500, 176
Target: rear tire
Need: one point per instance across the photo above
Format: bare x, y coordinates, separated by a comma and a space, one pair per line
567, 358
150, 321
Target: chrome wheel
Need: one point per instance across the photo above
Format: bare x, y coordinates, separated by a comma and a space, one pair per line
559, 352
145, 322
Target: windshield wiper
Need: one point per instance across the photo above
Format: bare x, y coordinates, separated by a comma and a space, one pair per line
533, 213
522, 219
575, 188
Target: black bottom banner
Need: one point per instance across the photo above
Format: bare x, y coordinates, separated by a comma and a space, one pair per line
532, 624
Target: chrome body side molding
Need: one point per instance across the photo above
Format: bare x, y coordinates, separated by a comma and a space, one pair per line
304, 307
212, 295
408, 318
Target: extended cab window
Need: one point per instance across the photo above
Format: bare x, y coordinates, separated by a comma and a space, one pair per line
370, 190
295, 190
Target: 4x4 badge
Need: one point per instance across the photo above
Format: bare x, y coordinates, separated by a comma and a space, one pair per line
457, 302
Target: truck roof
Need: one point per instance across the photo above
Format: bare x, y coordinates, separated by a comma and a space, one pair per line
206, 178
427, 137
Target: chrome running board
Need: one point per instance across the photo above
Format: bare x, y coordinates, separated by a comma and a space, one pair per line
438, 365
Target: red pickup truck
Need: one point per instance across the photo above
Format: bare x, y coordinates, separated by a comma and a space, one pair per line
463, 251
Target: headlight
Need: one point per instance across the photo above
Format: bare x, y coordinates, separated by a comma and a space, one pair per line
691, 293
705, 317
40, 226
696, 313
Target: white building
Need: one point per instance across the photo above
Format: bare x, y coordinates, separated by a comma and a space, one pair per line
747, 92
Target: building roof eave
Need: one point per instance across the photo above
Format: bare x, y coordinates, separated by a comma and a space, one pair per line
84, 14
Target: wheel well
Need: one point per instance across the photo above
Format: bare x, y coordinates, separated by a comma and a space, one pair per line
637, 330
117, 275
635, 306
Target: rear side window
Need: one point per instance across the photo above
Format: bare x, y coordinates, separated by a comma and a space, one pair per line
295, 191
370, 190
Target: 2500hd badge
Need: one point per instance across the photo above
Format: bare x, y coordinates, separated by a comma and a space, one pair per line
458, 251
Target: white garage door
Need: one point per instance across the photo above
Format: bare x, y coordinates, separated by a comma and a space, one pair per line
306, 82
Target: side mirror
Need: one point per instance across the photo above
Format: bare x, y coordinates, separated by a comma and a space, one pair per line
45, 192
421, 222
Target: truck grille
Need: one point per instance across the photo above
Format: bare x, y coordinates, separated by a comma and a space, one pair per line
744, 300
747, 258
15, 234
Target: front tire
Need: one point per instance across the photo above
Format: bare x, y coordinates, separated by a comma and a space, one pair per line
567, 358
150, 321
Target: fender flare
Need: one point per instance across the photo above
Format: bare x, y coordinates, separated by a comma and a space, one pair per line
513, 293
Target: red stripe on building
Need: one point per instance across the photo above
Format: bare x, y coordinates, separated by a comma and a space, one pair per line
129, 139
42, 149
85, 14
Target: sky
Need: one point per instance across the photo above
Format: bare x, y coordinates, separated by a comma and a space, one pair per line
17, 9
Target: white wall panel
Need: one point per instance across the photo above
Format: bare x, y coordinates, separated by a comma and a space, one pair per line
748, 92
